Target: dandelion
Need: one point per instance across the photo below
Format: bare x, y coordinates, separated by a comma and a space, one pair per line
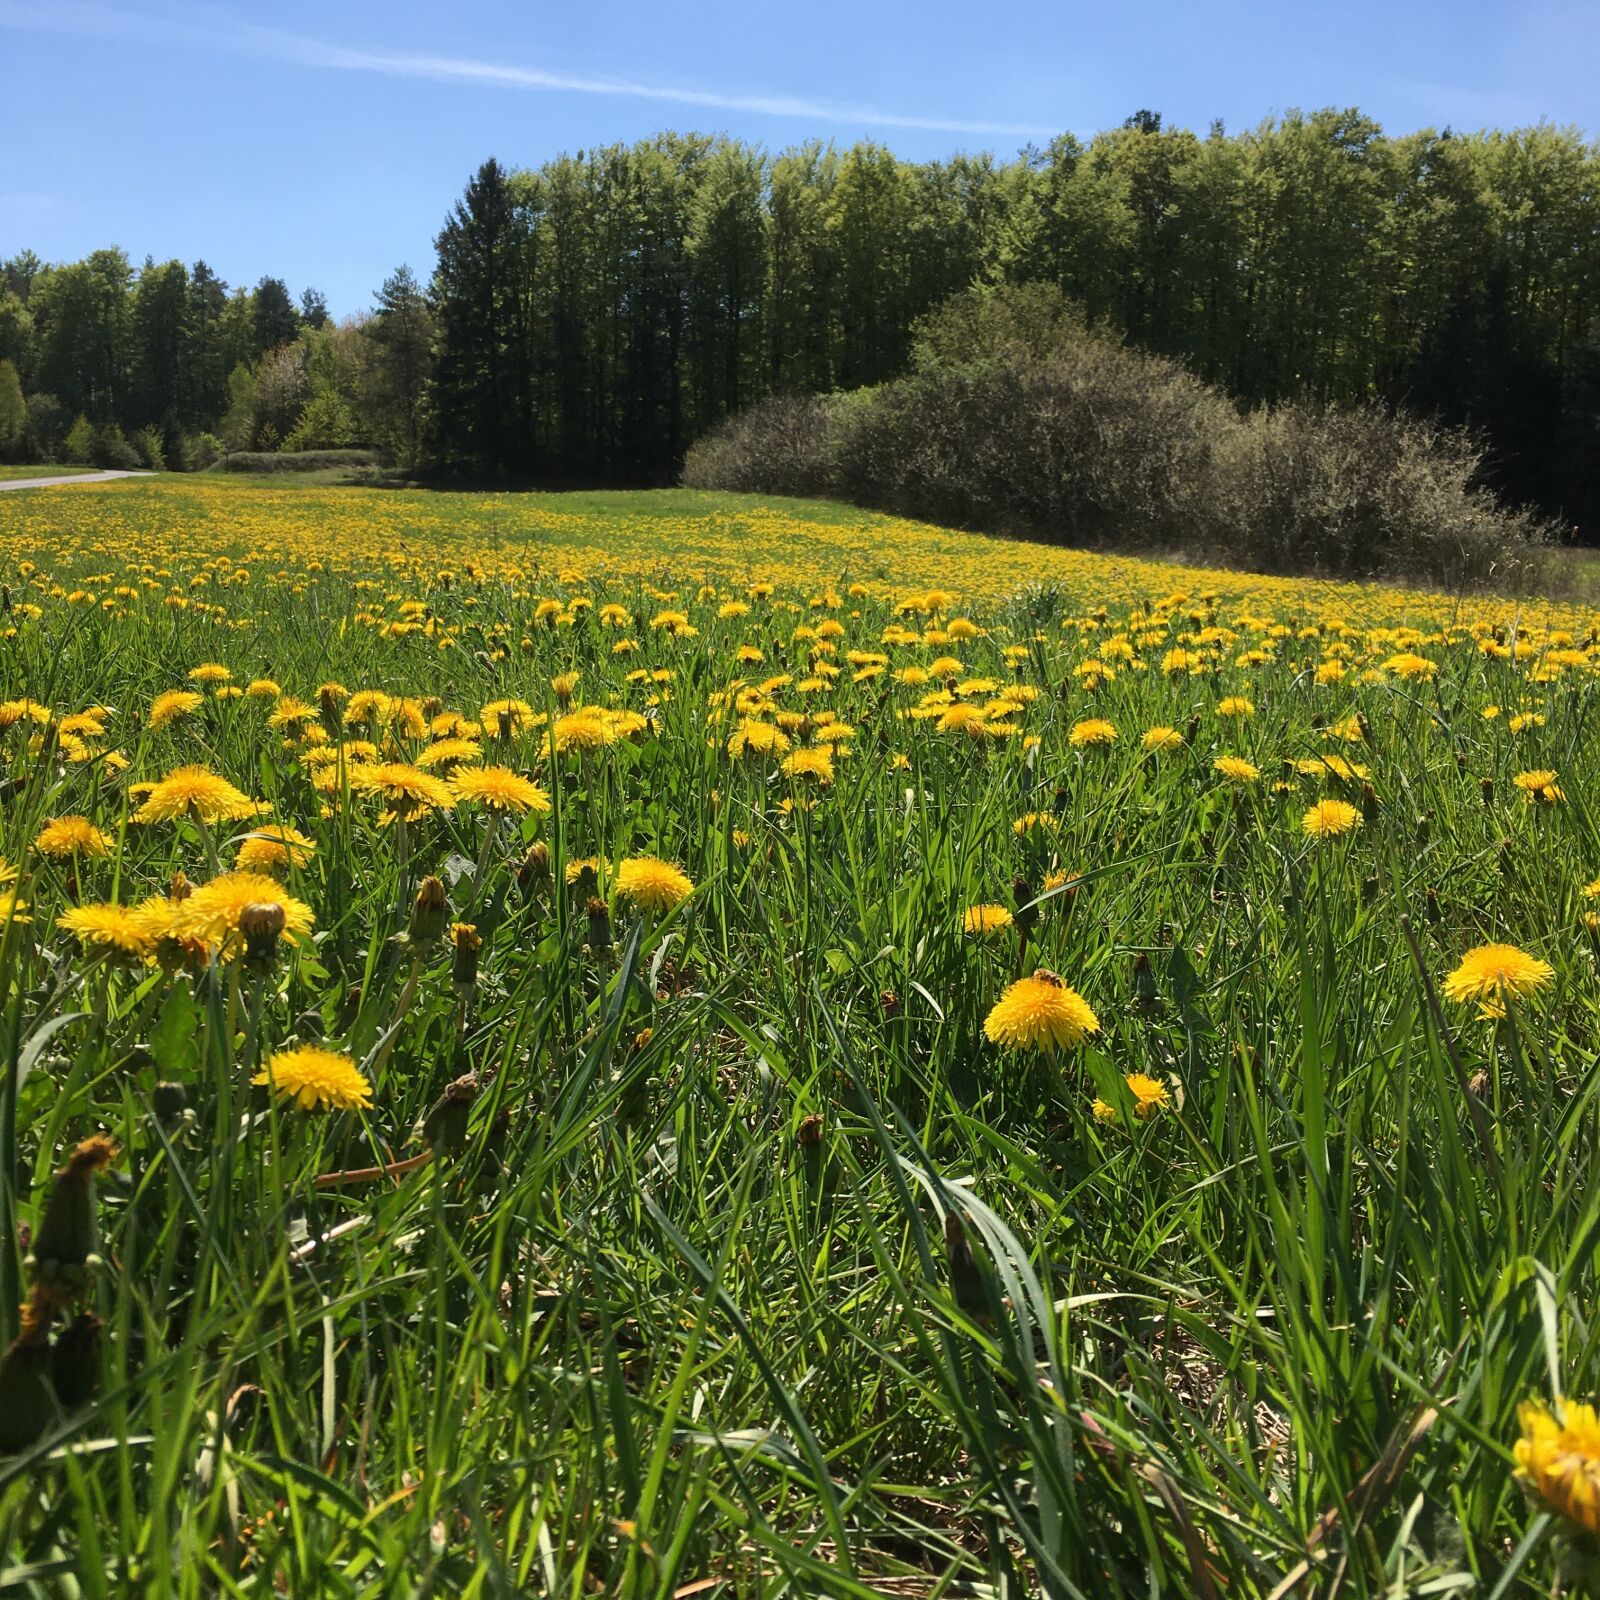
756, 738
1558, 1458
1161, 740
12, 908
810, 766
1329, 819
315, 1079
110, 926
274, 848
1411, 665
169, 707
1236, 769
1237, 706
1093, 731
198, 790
988, 919
1539, 787
1496, 972
71, 836
650, 884
1040, 1013
1150, 1096
211, 914
580, 731
409, 790
499, 789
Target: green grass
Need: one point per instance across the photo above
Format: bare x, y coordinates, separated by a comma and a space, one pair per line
645, 1324
42, 472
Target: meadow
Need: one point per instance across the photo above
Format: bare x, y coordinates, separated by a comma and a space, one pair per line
675, 1044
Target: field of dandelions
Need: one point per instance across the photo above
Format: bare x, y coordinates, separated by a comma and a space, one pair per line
671, 1045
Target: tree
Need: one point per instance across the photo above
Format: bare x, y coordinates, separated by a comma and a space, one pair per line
401, 333
13, 411
162, 363
281, 389
314, 308
482, 414
79, 442
326, 423
275, 320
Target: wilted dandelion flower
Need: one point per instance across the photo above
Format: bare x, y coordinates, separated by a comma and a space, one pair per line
985, 919
1496, 971
315, 1079
211, 797
172, 705
71, 836
650, 884
499, 789
1558, 1458
1329, 819
1040, 1013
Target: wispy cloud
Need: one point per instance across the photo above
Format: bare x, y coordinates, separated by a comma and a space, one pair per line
85, 19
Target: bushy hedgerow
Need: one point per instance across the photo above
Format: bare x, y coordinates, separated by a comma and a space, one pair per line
1016, 418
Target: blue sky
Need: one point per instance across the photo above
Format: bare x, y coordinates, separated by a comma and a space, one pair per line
324, 143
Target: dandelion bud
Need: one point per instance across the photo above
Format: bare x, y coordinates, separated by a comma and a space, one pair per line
432, 705
1478, 1084
169, 1102
467, 942
75, 1361
1144, 980
1369, 889
328, 707
889, 1003
430, 911
65, 1250
1507, 858
262, 924
1369, 803
534, 866
966, 1277
444, 1129
599, 915
1431, 905
1486, 789
587, 882
1026, 913
1061, 798
5, 596
27, 1407
1424, 827
809, 1134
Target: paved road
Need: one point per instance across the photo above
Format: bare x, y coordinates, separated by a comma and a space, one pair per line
73, 477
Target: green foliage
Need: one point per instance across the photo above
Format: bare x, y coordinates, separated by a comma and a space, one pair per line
327, 423
1017, 417
13, 411
79, 442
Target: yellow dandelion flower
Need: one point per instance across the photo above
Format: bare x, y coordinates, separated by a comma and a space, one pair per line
982, 920
499, 789
115, 927
1328, 819
1236, 769
71, 836
315, 1079
272, 848
211, 797
172, 705
1092, 731
1040, 1013
1558, 1458
1495, 971
650, 884
1150, 1096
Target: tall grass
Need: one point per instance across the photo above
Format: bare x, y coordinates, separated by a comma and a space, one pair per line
650, 1328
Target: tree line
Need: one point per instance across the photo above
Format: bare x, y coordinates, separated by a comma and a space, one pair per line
588, 319
167, 367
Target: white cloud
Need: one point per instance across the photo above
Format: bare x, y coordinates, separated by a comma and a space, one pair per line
86, 19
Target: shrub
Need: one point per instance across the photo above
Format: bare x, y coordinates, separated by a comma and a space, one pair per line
150, 449
782, 446
327, 423
79, 442
203, 450
297, 460
1018, 418
109, 447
